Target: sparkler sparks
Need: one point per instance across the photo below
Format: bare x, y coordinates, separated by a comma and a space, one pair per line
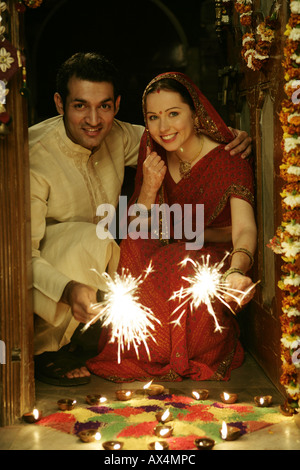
130, 322
205, 286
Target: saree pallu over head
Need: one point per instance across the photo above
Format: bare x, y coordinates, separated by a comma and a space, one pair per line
210, 122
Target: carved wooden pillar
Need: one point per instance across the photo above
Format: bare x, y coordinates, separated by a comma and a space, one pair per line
16, 317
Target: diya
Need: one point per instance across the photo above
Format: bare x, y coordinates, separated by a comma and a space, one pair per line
263, 400
164, 416
113, 445
124, 395
95, 400
201, 394
229, 433
66, 404
89, 435
158, 445
162, 430
32, 416
154, 389
204, 443
228, 398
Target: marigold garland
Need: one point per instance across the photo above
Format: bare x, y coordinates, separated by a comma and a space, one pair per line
286, 241
256, 46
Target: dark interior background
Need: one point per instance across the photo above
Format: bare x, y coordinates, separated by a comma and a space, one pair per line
142, 37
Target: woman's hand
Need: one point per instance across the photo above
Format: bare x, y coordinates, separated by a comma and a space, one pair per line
154, 170
240, 144
243, 284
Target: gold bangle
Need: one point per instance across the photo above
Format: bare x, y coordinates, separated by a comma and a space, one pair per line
247, 252
231, 271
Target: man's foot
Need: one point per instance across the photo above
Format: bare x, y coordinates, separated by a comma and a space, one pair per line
79, 372
61, 368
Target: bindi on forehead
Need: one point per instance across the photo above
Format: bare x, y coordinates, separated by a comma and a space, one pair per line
158, 91
160, 112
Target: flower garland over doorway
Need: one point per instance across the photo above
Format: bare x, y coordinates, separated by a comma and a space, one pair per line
256, 46
11, 59
286, 242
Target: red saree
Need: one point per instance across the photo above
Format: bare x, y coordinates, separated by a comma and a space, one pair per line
192, 349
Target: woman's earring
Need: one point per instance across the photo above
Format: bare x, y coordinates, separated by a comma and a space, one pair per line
197, 127
148, 136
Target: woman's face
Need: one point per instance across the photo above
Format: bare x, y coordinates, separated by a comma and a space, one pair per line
169, 120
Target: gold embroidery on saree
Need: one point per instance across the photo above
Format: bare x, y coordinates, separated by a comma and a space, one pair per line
233, 189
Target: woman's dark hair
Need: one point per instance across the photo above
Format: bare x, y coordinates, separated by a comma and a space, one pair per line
169, 84
88, 66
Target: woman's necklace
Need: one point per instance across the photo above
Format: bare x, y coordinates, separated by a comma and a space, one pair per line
185, 166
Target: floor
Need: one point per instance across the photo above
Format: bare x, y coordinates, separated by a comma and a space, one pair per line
247, 381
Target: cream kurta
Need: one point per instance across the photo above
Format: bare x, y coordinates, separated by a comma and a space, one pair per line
67, 186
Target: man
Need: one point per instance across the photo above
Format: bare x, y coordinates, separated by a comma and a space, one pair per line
77, 162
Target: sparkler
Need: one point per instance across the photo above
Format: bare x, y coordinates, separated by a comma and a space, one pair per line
205, 286
130, 321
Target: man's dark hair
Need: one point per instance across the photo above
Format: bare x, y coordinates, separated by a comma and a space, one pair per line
88, 66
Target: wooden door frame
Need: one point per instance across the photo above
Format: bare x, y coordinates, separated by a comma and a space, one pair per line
17, 391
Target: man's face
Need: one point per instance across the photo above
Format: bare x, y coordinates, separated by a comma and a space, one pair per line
89, 111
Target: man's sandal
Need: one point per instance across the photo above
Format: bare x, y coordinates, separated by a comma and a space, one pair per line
52, 367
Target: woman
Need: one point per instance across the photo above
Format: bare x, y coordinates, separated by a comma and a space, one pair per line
183, 161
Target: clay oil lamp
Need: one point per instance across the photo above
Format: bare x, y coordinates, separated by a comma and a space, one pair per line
201, 394
89, 435
113, 445
32, 417
163, 430
164, 416
229, 433
66, 404
204, 443
158, 445
95, 400
124, 395
263, 401
228, 398
154, 389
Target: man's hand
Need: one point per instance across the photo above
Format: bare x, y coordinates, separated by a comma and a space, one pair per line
81, 298
240, 144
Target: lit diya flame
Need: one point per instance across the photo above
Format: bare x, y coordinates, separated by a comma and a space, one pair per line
224, 430
130, 322
154, 389
164, 431
124, 394
148, 385
263, 401
201, 394
229, 433
165, 416
158, 446
112, 445
228, 397
204, 287
32, 417
97, 436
